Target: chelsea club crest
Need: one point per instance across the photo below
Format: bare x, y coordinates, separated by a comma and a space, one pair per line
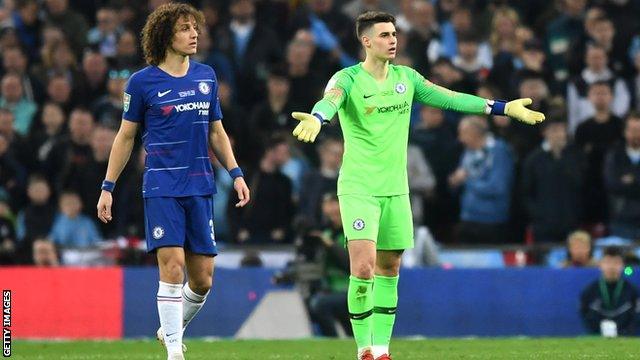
204, 88
401, 88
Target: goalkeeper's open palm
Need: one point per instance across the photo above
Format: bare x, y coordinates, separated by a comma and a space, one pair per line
308, 128
517, 110
243, 191
104, 206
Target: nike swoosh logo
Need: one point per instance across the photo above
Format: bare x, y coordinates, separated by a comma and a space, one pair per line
161, 94
171, 334
368, 96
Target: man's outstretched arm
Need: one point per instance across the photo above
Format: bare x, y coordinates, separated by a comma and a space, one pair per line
437, 96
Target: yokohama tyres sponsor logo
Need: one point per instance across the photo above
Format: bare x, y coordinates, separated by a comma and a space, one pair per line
202, 106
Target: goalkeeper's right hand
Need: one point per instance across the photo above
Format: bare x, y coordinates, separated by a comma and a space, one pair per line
308, 128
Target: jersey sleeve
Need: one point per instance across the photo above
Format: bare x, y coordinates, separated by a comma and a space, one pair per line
437, 96
335, 93
133, 100
216, 111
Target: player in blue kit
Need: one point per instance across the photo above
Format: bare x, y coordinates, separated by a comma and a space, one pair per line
174, 101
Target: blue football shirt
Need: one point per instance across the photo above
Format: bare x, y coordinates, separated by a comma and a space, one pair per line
174, 113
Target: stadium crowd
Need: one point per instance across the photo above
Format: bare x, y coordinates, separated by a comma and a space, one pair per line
473, 180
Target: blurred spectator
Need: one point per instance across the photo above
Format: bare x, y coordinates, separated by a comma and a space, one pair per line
213, 57
354, 8
438, 143
306, 86
328, 304
84, 178
268, 217
74, 149
127, 52
622, 179
634, 82
485, 176
48, 132
579, 250
421, 182
45, 253
236, 124
447, 75
19, 147
595, 136
93, 76
423, 30
72, 229
610, 298
7, 236
273, 114
104, 36
503, 38
72, 23
251, 47
318, 182
15, 61
27, 24
12, 97
469, 60
129, 205
553, 177
561, 33
12, 175
59, 91
107, 110
36, 218
579, 104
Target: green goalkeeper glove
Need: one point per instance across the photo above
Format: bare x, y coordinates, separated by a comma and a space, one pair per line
308, 128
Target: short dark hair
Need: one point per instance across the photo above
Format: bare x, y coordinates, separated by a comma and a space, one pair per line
600, 83
370, 18
614, 251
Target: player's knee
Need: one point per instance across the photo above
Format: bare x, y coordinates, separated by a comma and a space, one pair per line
363, 270
172, 271
201, 286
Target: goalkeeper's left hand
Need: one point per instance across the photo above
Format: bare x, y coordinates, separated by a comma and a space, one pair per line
308, 128
517, 110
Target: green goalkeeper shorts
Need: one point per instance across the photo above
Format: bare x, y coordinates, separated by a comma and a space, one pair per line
387, 220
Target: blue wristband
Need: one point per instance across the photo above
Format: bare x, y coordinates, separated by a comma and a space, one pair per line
236, 172
498, 107
319, 117
108, 185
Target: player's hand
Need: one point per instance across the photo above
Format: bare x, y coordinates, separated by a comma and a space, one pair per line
517, 110
243, 191
308, 128
104, 206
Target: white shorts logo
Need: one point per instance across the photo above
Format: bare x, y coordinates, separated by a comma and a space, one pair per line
401, 88
358, 224
158, 232
213, 234
204, 87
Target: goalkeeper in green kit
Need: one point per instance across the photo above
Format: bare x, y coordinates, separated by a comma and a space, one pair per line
373, 101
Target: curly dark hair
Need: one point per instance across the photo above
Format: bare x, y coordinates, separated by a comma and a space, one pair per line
159, 29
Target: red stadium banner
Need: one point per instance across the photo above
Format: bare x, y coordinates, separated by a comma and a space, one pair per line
65, 303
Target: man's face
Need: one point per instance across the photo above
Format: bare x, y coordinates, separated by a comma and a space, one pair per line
39, 192
603, 32
632, 133
380, 41
14, 61
185, 38
11, 88
331, 155
468, 50
44, 253
107, 20
242, 11
59, 90
101, 141
431, 117
94, 65
422, 15
469, 136
580, 251
81, 125
596, 59
600, 96
278, 86
611, 267
556, 135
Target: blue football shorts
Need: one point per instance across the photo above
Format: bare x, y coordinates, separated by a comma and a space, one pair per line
186, 222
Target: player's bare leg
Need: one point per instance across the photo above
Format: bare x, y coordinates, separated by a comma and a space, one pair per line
362, 259
171, 261
385, 300
200, 279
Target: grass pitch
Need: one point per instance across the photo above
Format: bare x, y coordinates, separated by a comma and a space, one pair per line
480, 348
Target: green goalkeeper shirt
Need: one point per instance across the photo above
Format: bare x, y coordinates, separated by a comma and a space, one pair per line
374, 117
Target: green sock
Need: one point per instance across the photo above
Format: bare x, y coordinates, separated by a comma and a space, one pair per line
360, 303
385, 301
